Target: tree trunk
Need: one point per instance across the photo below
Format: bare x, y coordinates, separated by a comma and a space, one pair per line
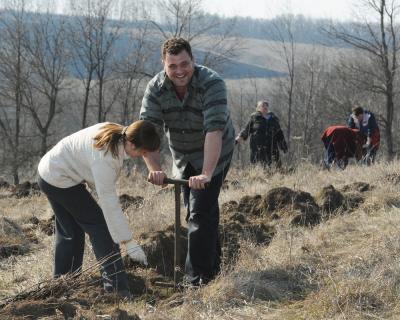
85, 103
389, 123
43, 147
100, 112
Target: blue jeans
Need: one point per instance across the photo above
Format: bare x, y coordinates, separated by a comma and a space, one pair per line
77, 213
329, 153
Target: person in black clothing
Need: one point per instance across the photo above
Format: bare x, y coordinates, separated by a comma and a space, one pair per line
266, 136
365, 121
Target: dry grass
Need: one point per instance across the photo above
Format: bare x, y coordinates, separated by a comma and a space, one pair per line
347, 267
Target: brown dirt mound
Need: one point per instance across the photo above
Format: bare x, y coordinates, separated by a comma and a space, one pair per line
357, 187
12, 239
34, 223
3, 183
278, 202
278, 198
53, 309
238, 223
283, 201
7, 250
330, 199
233, 232
245, 227
282, 197
353, 194
67, 298
38, 309
333, 201
47, 226
25, 189
308, 217
234, 227
250, 204
353, 200
231, 184
126, 201
393, 178
159, 246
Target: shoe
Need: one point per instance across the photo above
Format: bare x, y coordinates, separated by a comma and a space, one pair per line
198, 283
184, 285
120, 294
124, 294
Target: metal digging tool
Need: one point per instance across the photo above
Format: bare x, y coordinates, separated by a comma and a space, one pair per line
177, 244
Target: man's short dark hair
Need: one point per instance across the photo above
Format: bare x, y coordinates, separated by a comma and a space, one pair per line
175, 46
357, 111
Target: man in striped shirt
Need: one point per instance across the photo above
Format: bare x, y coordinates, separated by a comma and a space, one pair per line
190, 102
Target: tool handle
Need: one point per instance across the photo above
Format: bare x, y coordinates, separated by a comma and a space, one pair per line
180, 182
176, 181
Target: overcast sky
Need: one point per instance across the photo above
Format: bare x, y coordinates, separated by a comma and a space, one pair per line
336, 9
267, 9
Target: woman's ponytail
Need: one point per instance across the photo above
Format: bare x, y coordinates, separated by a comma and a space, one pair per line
109, 137
141, 133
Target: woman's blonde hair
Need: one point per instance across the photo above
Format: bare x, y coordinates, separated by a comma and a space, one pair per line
141, 133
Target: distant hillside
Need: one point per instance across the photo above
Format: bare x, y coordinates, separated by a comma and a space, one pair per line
259, 55
264, 58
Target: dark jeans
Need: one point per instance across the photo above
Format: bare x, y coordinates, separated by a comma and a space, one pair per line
77, 213
370, 154
204, 250
264, 155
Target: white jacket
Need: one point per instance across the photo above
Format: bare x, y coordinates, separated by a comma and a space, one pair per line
74, 160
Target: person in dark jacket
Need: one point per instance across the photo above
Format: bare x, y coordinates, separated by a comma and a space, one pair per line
341, 143
266, 136
365, 121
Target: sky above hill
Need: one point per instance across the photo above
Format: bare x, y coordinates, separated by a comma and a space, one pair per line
331, 9
335, 9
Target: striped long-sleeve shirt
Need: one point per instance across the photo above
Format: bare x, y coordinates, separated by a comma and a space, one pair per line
204, 109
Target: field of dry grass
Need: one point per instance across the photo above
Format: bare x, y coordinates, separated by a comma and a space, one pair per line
344, 266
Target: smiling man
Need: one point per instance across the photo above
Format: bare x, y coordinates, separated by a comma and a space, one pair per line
190, 102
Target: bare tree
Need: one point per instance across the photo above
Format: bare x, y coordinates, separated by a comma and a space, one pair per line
241, 103
13, 75
284, 32
94, 35
187, 19
132, 71
378, 42
311, 109
81, 40
48, 57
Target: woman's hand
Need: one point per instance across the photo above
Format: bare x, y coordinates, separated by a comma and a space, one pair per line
156, 177
136, 252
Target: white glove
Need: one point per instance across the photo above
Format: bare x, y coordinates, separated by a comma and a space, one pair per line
239, 139
136, 252
368, 143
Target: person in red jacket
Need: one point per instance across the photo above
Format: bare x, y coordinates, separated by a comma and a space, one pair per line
341, 143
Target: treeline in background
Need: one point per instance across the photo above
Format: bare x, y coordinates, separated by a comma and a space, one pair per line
63, 72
